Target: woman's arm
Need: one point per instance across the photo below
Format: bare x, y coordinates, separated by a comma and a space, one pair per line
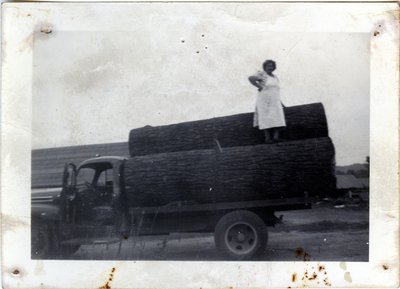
254, 80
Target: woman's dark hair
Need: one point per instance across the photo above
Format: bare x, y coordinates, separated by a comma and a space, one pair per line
269, 62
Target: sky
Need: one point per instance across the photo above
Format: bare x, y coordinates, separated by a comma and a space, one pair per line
93, 87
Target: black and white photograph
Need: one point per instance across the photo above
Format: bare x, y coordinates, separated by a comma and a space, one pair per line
178, 142
209, 145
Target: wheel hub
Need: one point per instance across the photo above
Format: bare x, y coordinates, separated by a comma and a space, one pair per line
241, 238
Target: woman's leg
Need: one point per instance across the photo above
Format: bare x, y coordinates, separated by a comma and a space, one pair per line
267, 134
275, 133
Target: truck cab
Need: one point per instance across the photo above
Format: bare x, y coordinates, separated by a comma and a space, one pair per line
89, 209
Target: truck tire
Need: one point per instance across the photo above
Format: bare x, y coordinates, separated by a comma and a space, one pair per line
42, 246
241, 235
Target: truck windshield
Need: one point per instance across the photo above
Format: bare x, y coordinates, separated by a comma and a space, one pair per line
85, 175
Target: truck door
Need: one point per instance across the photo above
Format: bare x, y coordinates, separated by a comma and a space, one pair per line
68, 193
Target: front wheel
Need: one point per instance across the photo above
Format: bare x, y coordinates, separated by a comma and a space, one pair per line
241, 235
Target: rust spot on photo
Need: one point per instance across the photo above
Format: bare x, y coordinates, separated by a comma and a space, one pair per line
15, 272
376, 33
110, 278
313, 276
299, 252
294, 277
385, 267
326, 282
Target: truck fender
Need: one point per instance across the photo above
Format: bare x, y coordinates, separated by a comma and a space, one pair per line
45, 212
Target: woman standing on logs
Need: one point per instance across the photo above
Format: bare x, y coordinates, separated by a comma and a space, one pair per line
268, 115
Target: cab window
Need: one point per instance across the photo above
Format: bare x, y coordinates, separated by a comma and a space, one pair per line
104, 184
105, 179
85, 175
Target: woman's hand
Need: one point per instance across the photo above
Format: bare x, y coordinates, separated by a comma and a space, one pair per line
254, 80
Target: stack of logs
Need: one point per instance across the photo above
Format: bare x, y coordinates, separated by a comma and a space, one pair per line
224, 160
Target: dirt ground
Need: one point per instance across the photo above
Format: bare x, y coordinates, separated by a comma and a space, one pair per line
324, 233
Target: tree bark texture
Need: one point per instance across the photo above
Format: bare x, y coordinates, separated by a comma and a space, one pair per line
302, 122
242, 173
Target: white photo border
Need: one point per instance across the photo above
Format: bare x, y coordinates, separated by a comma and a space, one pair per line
22, 20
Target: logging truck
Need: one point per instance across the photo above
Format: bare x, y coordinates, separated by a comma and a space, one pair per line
230, 185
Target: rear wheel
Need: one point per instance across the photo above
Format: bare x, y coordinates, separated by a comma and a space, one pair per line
240, 235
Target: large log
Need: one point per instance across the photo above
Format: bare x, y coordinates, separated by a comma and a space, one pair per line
303, 121
245, 173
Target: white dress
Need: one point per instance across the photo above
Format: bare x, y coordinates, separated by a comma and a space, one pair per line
269, 111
